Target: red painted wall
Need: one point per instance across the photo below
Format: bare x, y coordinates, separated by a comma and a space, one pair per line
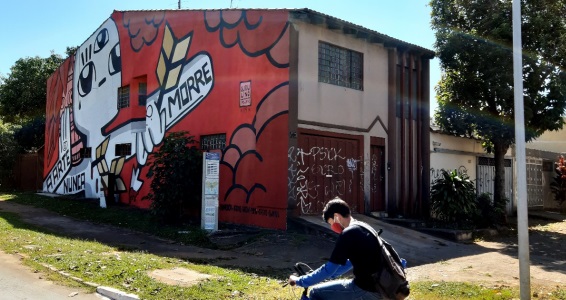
232, 47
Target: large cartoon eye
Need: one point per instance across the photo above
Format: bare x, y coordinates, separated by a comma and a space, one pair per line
101, 40
86, 78
114, 60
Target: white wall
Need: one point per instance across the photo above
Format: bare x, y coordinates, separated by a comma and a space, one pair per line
450, 152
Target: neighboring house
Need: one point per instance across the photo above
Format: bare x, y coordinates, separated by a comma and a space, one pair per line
302, 106
542, 156
466, 155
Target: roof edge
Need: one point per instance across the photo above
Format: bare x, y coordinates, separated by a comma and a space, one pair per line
318, 18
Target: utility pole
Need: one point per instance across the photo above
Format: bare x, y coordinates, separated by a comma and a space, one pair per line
179, 4
522, 210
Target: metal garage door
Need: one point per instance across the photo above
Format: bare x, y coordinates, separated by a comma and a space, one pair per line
330, 165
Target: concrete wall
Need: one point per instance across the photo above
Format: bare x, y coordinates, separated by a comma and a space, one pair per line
451, 152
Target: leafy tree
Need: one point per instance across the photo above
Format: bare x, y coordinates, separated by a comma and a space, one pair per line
10, 150
475, 94
70, 51
31, 135
176, 173
23, 92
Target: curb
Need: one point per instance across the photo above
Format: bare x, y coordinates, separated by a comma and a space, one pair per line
108, 292
115, 294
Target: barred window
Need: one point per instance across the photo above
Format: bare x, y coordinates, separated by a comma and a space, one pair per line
213, 141
142, 94
86, 152
340, 66
123, 149
124, 97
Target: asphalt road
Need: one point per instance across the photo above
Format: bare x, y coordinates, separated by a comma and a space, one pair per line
18, 282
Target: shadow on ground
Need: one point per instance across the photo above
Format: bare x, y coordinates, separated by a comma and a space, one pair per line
268, 252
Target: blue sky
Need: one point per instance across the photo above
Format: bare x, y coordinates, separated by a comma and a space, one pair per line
37, 27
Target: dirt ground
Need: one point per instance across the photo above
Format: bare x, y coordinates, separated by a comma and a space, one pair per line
491, 260
497, 259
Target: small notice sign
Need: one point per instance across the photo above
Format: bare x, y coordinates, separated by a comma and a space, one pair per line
245, 93
210, 182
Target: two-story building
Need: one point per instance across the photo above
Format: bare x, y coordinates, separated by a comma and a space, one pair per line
301, 106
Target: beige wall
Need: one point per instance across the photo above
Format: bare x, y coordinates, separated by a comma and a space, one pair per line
454, 143
331, 104
552, 141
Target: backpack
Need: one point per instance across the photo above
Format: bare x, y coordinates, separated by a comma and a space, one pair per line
390, 280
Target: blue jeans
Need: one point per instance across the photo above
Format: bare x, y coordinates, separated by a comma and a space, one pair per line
340, 290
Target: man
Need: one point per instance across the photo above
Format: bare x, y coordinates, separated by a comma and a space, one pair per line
355, 248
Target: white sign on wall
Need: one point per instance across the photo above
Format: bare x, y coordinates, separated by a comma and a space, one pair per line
211, 175
245, 93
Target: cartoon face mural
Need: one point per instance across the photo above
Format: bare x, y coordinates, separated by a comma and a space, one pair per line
191, 65
98, 76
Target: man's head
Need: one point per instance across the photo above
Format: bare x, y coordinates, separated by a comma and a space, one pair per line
337, 213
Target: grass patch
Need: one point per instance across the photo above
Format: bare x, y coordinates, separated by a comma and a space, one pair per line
427, 290
116, 215
128, 270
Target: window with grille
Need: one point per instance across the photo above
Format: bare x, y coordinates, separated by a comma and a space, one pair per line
142, 93
340, 66
213, 141
86, 152
123, 149
124, 97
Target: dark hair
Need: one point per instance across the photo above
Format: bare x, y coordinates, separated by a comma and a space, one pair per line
333, 206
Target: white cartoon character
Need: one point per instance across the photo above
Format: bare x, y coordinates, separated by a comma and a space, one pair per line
97, 78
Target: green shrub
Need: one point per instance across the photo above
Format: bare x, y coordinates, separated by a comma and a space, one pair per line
453, 198
487, 214
176, 173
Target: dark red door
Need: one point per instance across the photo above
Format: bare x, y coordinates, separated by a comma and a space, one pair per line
377, 178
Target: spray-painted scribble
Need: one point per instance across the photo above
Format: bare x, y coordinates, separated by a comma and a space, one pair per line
374, 173
437, 173
327, 169
327, 164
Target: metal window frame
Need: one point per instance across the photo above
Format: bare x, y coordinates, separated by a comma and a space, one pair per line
86, 152
123, 97
124, 149
213, 141
142, 97
340, 66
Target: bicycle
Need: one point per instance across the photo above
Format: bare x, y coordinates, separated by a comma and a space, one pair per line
301, 269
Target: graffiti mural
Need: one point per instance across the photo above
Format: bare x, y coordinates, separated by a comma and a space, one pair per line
318, 174
143, 74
